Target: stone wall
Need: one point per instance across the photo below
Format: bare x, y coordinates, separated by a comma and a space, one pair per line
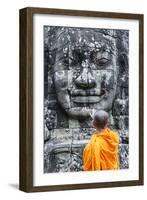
70, 55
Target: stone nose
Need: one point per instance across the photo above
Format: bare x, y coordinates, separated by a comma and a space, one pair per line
85, 79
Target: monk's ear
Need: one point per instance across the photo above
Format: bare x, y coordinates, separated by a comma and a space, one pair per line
107, 123
92, 124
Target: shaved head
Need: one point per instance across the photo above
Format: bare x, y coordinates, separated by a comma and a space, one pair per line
100, 118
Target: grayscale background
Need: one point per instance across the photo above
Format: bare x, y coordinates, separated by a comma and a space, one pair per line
84, 69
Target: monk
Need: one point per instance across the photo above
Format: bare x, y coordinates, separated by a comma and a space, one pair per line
101, 153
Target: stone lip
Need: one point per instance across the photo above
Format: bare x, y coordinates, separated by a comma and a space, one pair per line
87, 99
87, 92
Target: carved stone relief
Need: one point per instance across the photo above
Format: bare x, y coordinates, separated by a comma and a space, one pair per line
84, 69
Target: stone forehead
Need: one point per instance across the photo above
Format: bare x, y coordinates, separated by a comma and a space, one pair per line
85, 37
91, 34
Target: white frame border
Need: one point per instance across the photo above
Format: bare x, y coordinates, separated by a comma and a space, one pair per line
40, 179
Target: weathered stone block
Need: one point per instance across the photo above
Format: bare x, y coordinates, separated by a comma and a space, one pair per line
124, 156
51, 102
120, 107
62, 118
51, 87
82, 133
61, 135
121, 122
50, 121
124, 136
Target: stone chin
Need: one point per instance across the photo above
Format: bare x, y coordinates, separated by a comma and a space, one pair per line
84, 112
78, 112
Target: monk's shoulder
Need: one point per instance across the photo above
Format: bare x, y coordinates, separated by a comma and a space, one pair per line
115, 134
91, 140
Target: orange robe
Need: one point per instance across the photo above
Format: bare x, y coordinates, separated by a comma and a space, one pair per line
101, 153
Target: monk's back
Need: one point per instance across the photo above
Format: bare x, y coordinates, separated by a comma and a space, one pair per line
101, 153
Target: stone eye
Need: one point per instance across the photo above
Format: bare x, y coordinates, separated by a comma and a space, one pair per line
102, 58
77, 56
65, 61
103, 61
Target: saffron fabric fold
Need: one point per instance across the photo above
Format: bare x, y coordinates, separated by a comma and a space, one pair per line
101, 153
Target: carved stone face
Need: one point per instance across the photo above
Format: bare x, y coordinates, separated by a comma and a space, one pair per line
85, 71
